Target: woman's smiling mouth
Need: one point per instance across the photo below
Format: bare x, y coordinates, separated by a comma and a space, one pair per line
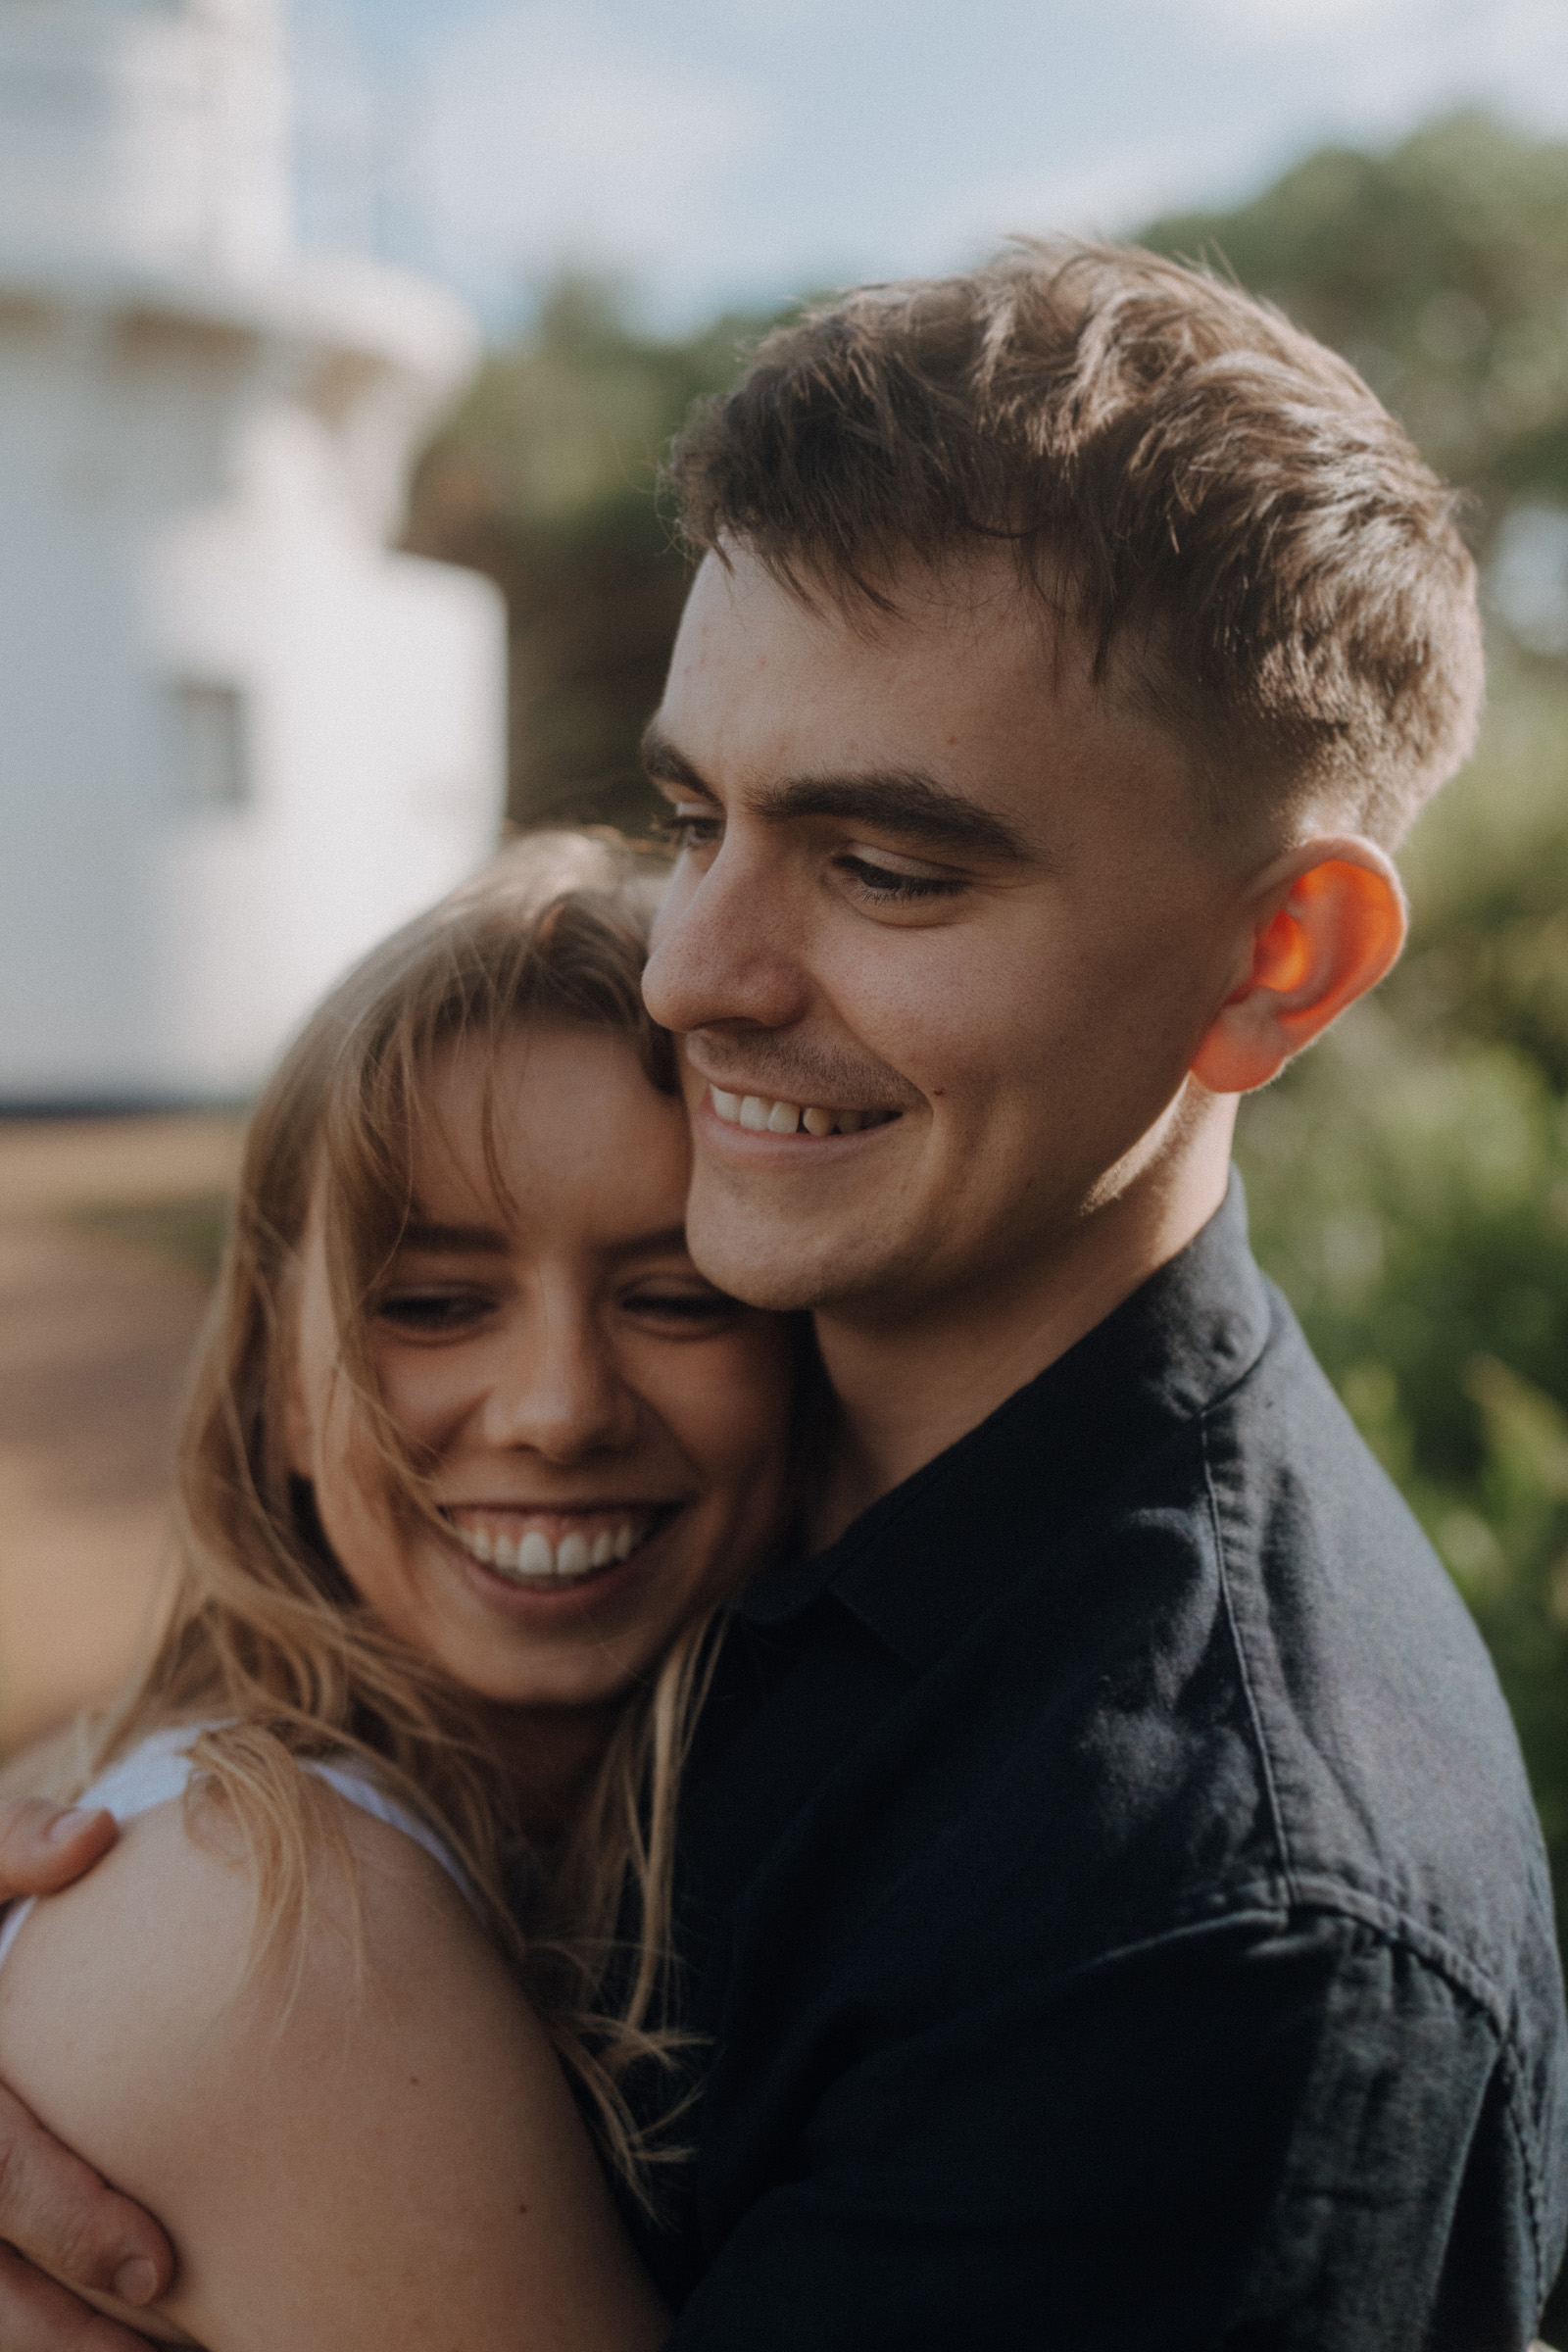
546, 1549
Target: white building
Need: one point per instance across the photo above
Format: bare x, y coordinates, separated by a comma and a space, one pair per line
239, 738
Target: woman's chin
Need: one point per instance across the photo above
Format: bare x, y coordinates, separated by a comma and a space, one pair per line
563, 1641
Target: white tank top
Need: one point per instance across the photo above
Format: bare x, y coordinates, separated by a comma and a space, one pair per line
160, 1768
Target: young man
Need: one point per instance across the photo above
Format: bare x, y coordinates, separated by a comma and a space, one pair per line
1111, 1903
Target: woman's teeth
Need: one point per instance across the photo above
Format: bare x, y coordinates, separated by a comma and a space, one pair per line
766, 1117
532, 1559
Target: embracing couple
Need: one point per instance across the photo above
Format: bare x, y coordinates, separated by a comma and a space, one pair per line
794, 1717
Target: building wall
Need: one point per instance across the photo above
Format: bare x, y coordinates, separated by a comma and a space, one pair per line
148, 132
90, 460
239, 738
370, 690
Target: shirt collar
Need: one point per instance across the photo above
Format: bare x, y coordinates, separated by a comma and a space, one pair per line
923, 1560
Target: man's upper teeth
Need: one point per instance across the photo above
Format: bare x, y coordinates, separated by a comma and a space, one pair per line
763, 1114
534, 1559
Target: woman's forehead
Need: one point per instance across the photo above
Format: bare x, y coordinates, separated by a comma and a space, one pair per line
548, 1117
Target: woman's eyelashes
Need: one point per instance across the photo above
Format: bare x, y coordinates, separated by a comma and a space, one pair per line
432, 1313
687, 1310
426, 1312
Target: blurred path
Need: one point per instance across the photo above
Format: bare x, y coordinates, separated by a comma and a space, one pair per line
95, 1333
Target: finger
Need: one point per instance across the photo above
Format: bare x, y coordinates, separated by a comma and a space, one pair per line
37, 2316
58, 2213
43, 1848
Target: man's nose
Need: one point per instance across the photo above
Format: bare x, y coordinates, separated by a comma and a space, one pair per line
559, 1392
727, 945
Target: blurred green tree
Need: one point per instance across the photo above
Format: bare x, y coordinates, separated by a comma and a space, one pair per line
544, 479
1439, 270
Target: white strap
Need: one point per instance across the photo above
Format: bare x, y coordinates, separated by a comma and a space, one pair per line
158, 1769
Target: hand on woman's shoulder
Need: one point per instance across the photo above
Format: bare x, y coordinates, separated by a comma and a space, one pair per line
374, 2150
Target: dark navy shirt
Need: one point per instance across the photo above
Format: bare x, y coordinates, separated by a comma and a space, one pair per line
1110, 1895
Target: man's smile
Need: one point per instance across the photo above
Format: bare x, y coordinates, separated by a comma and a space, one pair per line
766, 1115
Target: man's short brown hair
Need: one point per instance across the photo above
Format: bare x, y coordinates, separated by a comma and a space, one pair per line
1250, 542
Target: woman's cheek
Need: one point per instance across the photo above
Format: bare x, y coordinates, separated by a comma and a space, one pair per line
425, 1393
405, 1382
750, 1395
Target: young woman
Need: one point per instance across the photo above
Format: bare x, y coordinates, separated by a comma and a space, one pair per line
472, 1455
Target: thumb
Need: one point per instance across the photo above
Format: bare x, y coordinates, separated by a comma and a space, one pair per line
43, 1848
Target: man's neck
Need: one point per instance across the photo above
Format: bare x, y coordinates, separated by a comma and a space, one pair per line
552, 1752
909, 1387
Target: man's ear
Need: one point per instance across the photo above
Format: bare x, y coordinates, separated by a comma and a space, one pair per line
1328, 920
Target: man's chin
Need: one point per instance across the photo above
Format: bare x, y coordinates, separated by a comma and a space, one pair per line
758, 1279
756, 1258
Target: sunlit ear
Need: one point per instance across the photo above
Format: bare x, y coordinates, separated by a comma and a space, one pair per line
1329, 920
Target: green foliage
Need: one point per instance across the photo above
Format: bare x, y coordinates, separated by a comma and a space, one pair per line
569, 427
545, 478
1439, 270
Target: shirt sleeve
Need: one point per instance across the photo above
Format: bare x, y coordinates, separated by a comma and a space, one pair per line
1297, 2136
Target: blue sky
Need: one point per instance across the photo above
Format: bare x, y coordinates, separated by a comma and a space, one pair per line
733, 151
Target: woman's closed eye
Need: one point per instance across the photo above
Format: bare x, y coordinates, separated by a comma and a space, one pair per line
432, 1310
687, 1307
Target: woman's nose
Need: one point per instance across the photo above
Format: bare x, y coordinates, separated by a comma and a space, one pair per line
558, 1392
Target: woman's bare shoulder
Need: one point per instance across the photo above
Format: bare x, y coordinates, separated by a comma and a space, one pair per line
156, 1933
161, 1930
106, 1991
389, 2107
48, 1768
132, 2023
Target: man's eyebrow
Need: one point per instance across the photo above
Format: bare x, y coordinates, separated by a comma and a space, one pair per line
894, 800
663, 764
897, 801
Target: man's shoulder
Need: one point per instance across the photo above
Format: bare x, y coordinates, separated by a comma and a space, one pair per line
1225, 1675
1392, 1772
1143, 1725
1292, 1699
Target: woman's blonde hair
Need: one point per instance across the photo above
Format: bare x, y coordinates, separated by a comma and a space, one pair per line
266, 1638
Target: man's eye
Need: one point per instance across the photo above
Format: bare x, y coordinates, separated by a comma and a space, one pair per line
887, 885
432, 1312
689, 828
